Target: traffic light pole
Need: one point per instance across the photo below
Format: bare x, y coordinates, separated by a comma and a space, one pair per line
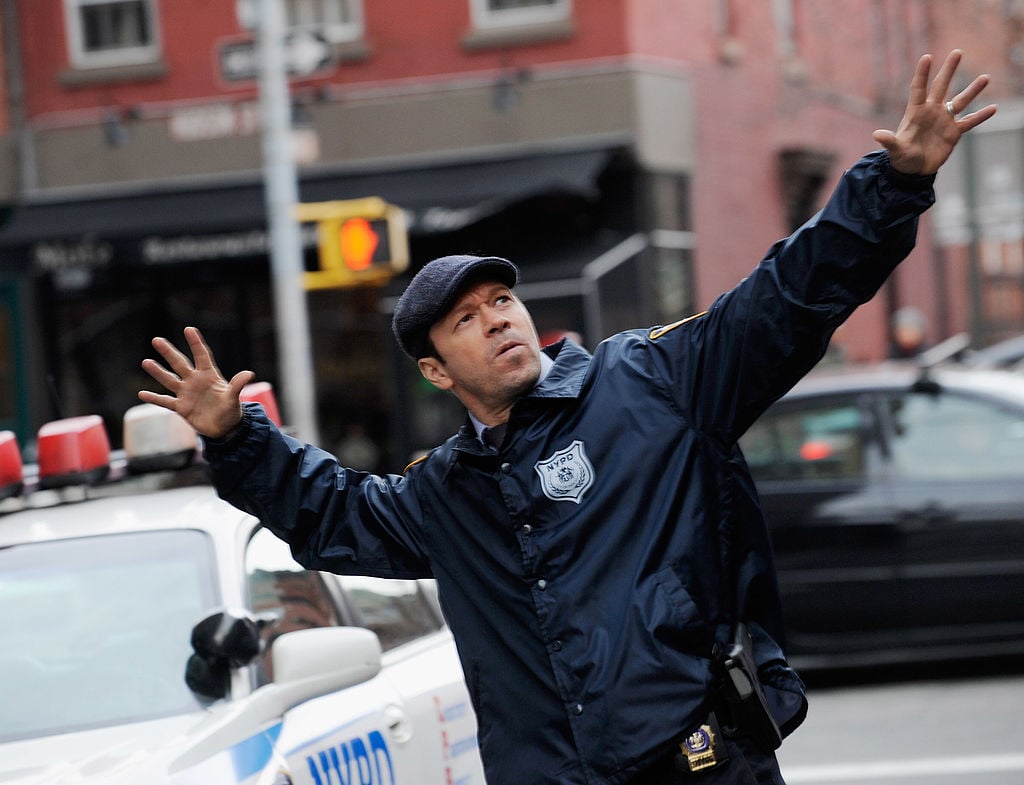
294, 353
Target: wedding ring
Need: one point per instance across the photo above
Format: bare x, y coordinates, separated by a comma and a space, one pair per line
950, 109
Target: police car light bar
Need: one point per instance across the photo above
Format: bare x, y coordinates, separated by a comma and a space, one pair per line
12, 471
156, 438
73, 451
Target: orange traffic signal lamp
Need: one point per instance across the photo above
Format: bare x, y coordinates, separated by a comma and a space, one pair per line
361, 242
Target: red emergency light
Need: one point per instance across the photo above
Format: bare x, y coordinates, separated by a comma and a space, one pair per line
12, 471
263, 393
73, 451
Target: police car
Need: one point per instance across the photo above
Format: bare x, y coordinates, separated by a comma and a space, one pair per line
151, 633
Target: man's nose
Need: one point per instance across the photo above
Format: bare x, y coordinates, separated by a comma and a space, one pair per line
494, 320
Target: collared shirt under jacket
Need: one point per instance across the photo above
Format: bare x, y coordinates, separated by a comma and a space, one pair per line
588, 566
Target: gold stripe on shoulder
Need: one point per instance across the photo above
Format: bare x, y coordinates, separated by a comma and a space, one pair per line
421, 459
657, 332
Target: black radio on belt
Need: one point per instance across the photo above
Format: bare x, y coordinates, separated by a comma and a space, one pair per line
747, 708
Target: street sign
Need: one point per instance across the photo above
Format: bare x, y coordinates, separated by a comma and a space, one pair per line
306, 53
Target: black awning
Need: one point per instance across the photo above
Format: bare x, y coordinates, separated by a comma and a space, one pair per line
436, 198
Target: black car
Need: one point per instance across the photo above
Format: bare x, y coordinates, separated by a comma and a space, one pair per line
895, 500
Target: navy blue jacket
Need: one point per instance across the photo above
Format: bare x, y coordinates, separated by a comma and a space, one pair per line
587, 568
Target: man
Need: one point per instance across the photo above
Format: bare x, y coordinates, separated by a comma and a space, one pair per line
595, 534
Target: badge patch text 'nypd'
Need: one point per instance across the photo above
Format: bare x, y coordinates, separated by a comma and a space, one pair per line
567, 474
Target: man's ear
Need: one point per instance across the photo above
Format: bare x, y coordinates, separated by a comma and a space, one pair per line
433, 371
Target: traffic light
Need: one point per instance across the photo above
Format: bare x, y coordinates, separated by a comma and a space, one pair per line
360, 242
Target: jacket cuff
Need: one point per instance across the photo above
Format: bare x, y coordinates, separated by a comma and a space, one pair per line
232, 439
904, 182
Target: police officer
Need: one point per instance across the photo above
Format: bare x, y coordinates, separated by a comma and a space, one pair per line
596, 537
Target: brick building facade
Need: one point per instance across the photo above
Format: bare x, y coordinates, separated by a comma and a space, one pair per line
636, 157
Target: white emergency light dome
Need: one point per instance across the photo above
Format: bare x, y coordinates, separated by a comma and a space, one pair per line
157, 438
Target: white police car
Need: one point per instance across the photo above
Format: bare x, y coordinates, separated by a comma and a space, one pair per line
159, 635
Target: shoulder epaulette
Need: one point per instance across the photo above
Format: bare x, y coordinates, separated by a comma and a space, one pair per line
657, 332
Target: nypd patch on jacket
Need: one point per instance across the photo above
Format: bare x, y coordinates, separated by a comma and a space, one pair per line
588, 567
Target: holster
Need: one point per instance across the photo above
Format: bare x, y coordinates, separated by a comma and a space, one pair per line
743, 709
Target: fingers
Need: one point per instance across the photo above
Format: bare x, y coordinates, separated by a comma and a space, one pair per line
178, 362
969, 121
885, 138
161, 374
239, 380
963, 99
919, 84
166, 401
201, 352
944, 78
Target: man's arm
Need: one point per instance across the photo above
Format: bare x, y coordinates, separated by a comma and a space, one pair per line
760, 338
334, 518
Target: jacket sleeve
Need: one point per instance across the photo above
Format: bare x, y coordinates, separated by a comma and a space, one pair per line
757, 340
334, 518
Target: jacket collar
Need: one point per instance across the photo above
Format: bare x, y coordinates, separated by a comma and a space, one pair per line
563, 381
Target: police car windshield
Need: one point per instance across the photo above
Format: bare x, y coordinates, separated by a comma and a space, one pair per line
95, 631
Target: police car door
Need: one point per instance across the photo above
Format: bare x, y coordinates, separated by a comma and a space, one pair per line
436, 720
343, 738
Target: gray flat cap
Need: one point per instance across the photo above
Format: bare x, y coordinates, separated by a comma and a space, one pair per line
433, 291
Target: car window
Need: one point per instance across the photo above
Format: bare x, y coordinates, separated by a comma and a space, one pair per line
285, 595
96, 629
953, 437
810, 440
397, 611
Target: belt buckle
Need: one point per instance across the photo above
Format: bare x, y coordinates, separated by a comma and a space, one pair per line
703, 747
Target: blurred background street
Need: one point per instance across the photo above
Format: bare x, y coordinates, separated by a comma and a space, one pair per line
275, 171
954, 723
635, 158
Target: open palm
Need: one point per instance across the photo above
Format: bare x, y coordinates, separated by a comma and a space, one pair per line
200, 393
930, 129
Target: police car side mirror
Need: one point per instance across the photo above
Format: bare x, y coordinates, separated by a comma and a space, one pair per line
222, 641
307, 664
316, 661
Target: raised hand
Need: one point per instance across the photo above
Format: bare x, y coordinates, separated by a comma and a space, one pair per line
930, 128
200, 393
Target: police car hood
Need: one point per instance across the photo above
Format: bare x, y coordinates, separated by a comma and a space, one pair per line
118, 755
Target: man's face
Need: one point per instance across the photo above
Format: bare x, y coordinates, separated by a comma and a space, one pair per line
490, 351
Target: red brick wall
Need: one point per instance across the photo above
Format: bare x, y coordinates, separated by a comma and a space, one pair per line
852, 63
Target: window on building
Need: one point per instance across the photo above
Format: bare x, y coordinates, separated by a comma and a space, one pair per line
803, 173
496, 13
337, 20
112, 32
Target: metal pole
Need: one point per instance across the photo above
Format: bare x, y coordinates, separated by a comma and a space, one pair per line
282, 193
976, 281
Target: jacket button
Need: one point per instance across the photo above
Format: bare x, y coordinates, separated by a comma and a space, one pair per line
542, 584
556, 646
527, 528
506, 468
577, 709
